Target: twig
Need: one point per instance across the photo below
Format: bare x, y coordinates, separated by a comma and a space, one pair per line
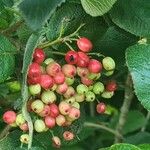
147, 119
90, 124
128, 96
5, 131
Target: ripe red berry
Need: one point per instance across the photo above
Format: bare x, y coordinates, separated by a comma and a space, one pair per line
34, 80
9, 117
49, 121
34, 70
111, 86
38, 55
46, 81
100, 108
71, 57
83, 60
54, 111
84, 44
68, 136
59, 78
69, 70
86, 81
95, 66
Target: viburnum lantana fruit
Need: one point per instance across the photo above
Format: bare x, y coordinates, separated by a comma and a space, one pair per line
108, 63
39, 125
48, 97
37, 106
68, 136
71, 57
24, 138
38, 55
83, 59
111, 86
56, 141
49, 121
94, 66
100, 108
64, 108
54, 110
9, 117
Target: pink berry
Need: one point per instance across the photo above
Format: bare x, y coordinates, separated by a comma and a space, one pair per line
111, 86
60, 120
59, 78
83, 60
24, 127
70, 92
100, 108
74, 113
56, 141
71, 57
86, 81
46, 81
94, 66
9, 117
45, 112
64, 108
49, 121
82, 72
54, 111
69, 70
62, 88
38, 55
68, 136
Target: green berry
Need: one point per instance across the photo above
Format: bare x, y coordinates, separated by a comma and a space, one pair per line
37, 106
70, 100
24, 138
82, 89
35, 89
79, 97
109, 73
20, 119
89, 96
14, 86
108, 63
94, 76
39, 125
48, 97
76, 105
98, 88
90, 87
107, 94
69, 81
48, 61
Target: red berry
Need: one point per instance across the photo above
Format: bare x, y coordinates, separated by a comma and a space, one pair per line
71, 57
86, 81
111, 86
59, 78
34, 80
74, 113
53, 68
100, 108
84, 44
50, 121
70, 92
95, 66
83, 60
46, 81
9, 117
82, 72
69, 70
34, 70
62, 88
54, 111
45, 112
38, 55
68, 136
24, 127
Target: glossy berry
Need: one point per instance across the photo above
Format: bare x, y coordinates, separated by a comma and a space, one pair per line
53, 68
83, 60
24, 138
46, 81
82, 89
94, 76
100, 108
69, 93
34, 80
35, 89
38, 55
69, 70
59, 78
68, 136
34, 70
109, 73
84, 44
69, 81
48, 97
56, 141
62, 88
76, 105
107, 94
45, 112
108, 63
82, 72
9, 117
54, 110
89, 96
98, 88
71, 57
37, 106
111, 86
39, 125
64, 108
48, 61
49, 121
79, 97
24, 127
74, 113
86, 81
94, 66
60, 120
70, 100
20, 119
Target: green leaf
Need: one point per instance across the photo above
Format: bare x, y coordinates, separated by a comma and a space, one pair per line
132, 16
137, 58
33, 148
124, 146
36, 12
97, 7
144, 146
7, 60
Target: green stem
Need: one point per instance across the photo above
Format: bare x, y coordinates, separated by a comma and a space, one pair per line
96, 54
147, 119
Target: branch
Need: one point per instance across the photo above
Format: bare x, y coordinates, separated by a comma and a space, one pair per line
128, 96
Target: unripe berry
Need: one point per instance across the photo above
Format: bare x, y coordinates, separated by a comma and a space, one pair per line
48, 97
108, 63
82, 89
20, 119
89, 96
14, 86
69, 81
109, 73
83, 60
54, 87
53, 68
69, 70
67, 123
60, 120
84, 44
71, 57
49, 121
82, 72
76, 105
24, 127
54, 110
13, 124
74, 113
107, 94
62, 88
94, 66
100, 108
70, 100
64, 107
68, 136
39, 125
98, 88
90, 87
46, 81
94, 76
9, 117
35, 89
38, 55
79, 97
45, 112
56, 141
24, 138
111, 86
86, 81
48, 61
59, 78
70, 92
37, 106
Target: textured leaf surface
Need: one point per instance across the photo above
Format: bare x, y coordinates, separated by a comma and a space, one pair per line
144, 146
138, 62
97, 7
133, 16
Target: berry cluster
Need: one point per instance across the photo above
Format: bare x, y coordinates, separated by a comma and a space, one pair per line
57, 91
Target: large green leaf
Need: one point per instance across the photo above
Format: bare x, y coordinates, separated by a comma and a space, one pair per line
97, 7
137, 58
36, 12
7, 60
144, 146
133, 16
